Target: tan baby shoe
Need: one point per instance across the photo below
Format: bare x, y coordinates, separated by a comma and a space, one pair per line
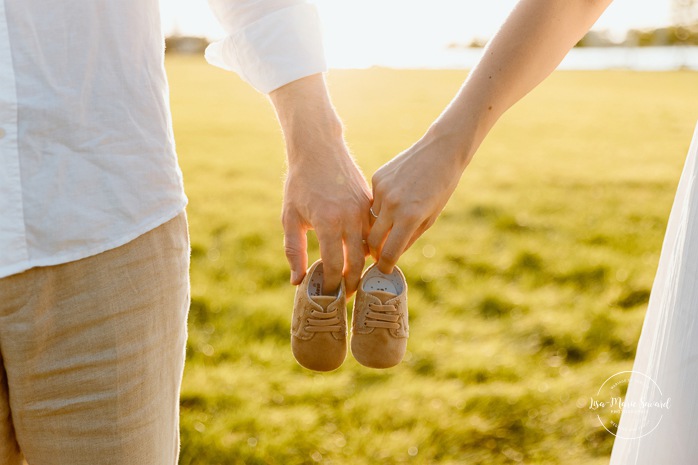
319, 326
380, 327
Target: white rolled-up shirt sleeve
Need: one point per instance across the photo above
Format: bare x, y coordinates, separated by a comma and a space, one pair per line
269, 43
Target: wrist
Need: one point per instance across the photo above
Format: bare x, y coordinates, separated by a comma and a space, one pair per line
309, 130
305, 105
453, 141
308, 120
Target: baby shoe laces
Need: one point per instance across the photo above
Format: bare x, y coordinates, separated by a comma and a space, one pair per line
382, 316
323, 322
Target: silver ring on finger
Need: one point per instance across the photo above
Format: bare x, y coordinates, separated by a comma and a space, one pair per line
373, 214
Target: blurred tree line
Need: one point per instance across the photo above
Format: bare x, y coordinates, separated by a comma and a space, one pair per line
663, 36
684, 31
185, 44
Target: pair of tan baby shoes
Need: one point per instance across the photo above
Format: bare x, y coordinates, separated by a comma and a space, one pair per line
379, 323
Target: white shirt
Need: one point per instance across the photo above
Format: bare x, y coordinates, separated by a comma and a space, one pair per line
87, 153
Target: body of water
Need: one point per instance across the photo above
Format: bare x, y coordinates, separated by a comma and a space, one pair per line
634, 58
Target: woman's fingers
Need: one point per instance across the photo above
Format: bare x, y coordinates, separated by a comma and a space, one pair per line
389, 237
395, 244
379, 232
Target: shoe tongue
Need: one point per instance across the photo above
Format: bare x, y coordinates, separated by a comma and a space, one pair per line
382, 295
323, 300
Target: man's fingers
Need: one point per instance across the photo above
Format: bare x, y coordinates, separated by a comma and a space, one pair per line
332, 254
394, 245
356, 258
296, 248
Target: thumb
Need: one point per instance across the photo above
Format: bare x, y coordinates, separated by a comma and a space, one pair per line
296, 248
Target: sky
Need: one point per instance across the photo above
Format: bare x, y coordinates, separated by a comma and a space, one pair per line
365, 32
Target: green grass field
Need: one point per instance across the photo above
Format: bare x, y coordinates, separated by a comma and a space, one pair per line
525, 296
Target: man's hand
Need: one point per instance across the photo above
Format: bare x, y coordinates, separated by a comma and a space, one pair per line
324, 190
409, 193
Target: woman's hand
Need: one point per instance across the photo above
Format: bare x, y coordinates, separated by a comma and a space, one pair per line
410, 191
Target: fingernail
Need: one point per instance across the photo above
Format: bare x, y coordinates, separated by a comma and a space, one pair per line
294, 277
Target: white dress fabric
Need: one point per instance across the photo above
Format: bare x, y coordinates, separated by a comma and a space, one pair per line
668, 348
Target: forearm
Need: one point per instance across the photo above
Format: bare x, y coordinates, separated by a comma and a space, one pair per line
307, 117
529, 46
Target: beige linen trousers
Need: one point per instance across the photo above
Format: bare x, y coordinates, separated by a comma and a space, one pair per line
92, 353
